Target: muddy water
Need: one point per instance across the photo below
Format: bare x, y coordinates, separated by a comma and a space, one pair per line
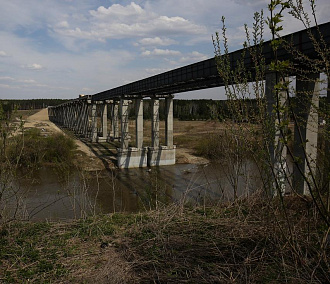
48, 195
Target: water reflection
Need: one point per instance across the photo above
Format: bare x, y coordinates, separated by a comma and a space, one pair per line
49, 196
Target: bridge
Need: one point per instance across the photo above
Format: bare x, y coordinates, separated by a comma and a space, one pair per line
82, 114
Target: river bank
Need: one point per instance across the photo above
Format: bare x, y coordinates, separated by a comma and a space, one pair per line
235, 242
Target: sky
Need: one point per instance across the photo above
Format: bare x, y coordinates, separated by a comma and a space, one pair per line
63, 48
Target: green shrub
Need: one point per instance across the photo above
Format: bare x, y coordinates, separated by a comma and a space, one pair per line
33, 150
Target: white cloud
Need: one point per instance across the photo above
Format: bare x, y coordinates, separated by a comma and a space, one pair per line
156, 41
262, 3
28, 81
7, 78
3, 53
192, 57
153, 71
161, 52
118, 22
63, 24
33, 66
6, 86
86, 90
119, 11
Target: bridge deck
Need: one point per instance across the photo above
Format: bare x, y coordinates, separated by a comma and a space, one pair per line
204, 74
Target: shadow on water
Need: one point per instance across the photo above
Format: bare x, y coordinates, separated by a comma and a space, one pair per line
47, 195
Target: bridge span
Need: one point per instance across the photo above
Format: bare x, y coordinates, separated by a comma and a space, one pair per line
82, 114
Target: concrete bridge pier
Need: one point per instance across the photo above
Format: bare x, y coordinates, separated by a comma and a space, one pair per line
276, 147
85, 119
132, 157
124, 153
73, 115
93, 134
114, 132
306, 132
65, 116
81, 116
104, 122
78, 111
159, 155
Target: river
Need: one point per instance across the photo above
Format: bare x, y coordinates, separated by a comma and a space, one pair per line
46, 195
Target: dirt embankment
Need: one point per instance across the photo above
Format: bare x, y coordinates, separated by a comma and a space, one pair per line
90, 158
86, 157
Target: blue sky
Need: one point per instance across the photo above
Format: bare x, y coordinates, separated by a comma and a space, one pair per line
63, 48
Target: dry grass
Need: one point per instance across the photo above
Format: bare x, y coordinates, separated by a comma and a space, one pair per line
249, 241
241, 243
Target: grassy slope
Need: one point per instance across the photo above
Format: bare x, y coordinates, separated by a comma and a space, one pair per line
245, 242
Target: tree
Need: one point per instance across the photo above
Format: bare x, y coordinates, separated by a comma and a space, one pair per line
288, 117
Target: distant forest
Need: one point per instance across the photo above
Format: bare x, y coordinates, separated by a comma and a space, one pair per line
182, 109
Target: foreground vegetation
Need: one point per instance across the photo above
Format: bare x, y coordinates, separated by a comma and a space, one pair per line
247, 241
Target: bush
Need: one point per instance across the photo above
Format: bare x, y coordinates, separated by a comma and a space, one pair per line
32, 149
227, 144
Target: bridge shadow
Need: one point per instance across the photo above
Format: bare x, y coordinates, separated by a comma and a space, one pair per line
105, 151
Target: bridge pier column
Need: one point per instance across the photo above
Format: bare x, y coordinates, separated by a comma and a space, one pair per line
155, 123
80, 115
65, 116
132, 157
114, 134
104, 122
169, 121
77, 107
162, 155
73, 116
276, 147
70, 115
126, 156
139, 122
154, 151
93, 136
85, 119
305, 133
124, 139
61, 116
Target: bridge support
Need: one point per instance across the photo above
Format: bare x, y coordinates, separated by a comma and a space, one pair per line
276, 147
132, 157
155, 155
93, 135
84, 115
104, 123
305, 133
304, 152
114, 133
162, 155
